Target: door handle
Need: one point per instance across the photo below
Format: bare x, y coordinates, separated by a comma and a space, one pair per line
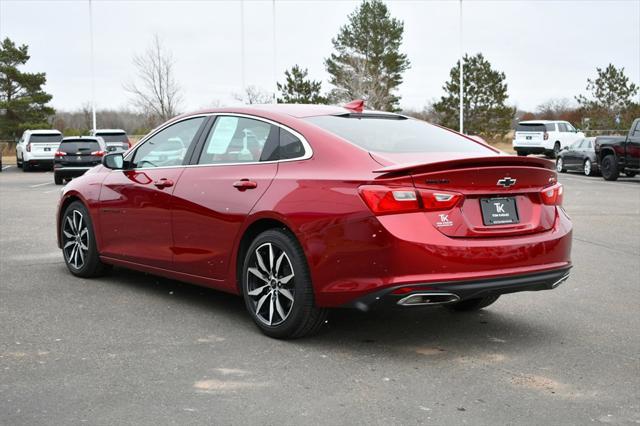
163, 183
244, 184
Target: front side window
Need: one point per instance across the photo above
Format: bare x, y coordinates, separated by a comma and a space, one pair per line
169, 146
239, 140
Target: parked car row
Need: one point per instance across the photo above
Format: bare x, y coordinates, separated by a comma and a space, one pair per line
69, 157
606, 155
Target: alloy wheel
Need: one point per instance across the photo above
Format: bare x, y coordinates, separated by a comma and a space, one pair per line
559, 164
75, 239
587, 167
270, 284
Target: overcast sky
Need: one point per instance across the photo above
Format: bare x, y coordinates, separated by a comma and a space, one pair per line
547, 49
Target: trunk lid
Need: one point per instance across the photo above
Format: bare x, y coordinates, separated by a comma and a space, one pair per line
516, 182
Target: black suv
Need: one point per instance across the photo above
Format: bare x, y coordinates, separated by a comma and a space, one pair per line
75, 156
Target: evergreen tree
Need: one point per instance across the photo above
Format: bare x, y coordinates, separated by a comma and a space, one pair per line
485, 96
367, 63
23, 102
610, 102
298, 89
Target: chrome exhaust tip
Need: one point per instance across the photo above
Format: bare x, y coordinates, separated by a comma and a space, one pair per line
424, 299
560, 281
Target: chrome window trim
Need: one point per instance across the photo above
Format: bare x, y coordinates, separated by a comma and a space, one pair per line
308, 151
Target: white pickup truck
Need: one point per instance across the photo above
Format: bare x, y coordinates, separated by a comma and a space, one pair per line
37, 148
544, 137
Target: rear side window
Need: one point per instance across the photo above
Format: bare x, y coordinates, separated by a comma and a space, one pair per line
45, 138
531, 127
551, 127
113, 137
562, 127
396, 134
71, 147
239, 140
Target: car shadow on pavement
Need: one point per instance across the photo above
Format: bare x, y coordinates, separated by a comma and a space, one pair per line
412, 332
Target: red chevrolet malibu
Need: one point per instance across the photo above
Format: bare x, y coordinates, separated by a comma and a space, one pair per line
300, 208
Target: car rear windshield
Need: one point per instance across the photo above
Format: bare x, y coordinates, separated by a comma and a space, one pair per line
79, 146
395, 134
45, 138
113, 137
534, 127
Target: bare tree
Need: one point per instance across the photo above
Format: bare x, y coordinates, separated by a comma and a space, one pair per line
156, 92
254, 95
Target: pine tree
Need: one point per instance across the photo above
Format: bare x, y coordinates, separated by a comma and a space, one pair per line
23, 102
298, 89
485, 96
367, 63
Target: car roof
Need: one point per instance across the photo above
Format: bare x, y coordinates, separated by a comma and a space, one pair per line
110, 131
293, 110
541, 121
44, 132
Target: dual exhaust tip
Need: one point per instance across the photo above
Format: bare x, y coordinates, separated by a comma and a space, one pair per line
425, 299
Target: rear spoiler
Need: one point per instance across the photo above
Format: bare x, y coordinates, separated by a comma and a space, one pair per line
465, 163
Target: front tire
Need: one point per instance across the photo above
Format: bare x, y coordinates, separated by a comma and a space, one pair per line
560, 168
79, 242
472, 304
277, 288
609, 168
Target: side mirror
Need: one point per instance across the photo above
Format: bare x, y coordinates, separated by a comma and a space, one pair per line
114, 161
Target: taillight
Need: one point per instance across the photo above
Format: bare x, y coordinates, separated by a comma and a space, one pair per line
98, 153
60, 154
385, 200
546, 136
388, 200
28, 147
552, 195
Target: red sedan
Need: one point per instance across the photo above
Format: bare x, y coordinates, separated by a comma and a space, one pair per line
300, 208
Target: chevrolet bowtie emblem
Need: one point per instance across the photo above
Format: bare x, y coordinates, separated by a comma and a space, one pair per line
506, 182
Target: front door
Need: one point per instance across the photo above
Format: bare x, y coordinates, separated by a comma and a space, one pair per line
135, 214
214, 197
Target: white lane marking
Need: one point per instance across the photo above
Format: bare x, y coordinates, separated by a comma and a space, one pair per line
588, 180
5, 167
40, 184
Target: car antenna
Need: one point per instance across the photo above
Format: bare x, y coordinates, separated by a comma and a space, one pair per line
355, 105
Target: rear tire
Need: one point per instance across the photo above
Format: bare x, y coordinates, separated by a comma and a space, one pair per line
18, 163
609, 168
25, 166
556, 150
277, 287
472, 304
79, 242
630, 174
58, 179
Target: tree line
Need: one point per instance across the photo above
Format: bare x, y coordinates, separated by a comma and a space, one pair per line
367, 63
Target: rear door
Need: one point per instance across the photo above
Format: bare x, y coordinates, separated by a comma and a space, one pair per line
43, 145
633, 146
135, 204
231, 171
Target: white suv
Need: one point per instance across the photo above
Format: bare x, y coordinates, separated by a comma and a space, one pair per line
37, 148
544, 137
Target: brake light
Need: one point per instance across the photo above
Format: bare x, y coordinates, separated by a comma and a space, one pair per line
60, 154
388, 200
553, 195
98, 153
385, 200
438, 200
29, 147
546, 136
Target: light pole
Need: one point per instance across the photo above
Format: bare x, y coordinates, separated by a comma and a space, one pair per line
242, 46
93, 73
461, 72
275, 78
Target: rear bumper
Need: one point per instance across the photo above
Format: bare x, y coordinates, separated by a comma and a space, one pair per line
464, 290
531, 149
70, 171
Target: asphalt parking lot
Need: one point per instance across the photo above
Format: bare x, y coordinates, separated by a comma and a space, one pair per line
130, 348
